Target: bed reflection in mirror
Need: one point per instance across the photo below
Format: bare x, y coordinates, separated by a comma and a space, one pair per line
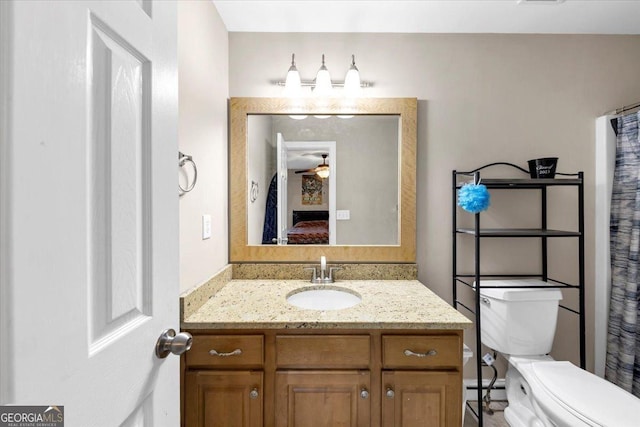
327, 179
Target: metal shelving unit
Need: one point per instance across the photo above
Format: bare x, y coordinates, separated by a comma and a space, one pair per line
477, 233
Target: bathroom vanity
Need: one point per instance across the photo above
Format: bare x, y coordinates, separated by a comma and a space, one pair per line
394, 358
256, 360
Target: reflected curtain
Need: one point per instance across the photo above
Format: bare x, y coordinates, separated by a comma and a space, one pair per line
623, 340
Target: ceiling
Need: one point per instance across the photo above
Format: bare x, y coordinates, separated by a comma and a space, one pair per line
433, 16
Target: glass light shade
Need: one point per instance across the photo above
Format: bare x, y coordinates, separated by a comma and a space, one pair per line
292, 85
323, 171
323, 86
352, 87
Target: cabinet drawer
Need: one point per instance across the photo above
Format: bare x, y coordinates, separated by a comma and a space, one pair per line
216, 351
421, 351
325, 351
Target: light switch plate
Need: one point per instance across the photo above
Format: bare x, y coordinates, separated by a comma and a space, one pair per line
343, 215
206, 227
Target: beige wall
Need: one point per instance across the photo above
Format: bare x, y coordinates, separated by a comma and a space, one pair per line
482, 98
260, 170
203, 64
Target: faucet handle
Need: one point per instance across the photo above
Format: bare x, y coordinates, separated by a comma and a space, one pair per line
331, 270
314, 278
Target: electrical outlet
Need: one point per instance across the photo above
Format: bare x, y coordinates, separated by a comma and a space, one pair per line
206, 227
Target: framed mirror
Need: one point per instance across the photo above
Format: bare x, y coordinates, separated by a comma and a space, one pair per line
334, 178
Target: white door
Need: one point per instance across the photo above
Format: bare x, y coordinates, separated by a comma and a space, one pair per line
283, 176
329, 147
89, 209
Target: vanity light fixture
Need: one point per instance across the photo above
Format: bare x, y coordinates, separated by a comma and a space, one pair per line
322, 86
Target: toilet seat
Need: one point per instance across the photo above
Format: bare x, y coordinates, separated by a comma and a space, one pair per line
590, 399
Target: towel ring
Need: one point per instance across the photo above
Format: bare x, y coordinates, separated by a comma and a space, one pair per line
253, 193
182, 160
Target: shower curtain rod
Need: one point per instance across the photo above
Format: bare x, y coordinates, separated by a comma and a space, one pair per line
624, 109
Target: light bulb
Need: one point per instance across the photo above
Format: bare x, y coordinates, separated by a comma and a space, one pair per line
323, 172
292, 85
323, 86
352, 87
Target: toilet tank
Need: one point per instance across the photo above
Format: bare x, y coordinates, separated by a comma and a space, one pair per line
518, 321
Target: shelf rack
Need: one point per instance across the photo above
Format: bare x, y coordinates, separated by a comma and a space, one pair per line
543, 233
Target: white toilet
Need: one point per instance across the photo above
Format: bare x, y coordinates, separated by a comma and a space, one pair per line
542, 392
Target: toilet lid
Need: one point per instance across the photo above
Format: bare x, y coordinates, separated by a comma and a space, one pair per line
587, 396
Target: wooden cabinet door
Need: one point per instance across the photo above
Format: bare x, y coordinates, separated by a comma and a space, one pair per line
223, 399
421, 398
323, 399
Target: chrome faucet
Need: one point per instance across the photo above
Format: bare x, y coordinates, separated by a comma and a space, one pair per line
323, 278
323, 267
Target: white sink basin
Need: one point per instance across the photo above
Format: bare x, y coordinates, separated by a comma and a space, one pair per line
325, 298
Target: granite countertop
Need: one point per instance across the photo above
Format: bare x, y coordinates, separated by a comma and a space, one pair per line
386, 304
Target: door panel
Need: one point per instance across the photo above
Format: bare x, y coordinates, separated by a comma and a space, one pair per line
223, 399
421, 398
323, 399
92, 208
120, 189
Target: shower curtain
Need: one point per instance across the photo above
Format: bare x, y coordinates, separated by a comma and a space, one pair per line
623, 340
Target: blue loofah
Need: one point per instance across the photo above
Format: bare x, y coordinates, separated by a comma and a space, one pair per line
474, 198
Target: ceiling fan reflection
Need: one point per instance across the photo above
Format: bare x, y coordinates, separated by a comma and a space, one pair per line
322, 170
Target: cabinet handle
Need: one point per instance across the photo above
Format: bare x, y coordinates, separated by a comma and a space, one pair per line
253, 394
235, 352
431, 352
390, 393
364, 393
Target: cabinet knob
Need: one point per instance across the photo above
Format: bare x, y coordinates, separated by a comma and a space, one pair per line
390, 393
253, 394
364, 393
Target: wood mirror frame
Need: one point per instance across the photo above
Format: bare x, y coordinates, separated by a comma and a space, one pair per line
240, 251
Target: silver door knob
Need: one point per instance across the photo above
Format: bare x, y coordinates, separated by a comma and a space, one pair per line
253, 394
169, 342
364, 393
390, 393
